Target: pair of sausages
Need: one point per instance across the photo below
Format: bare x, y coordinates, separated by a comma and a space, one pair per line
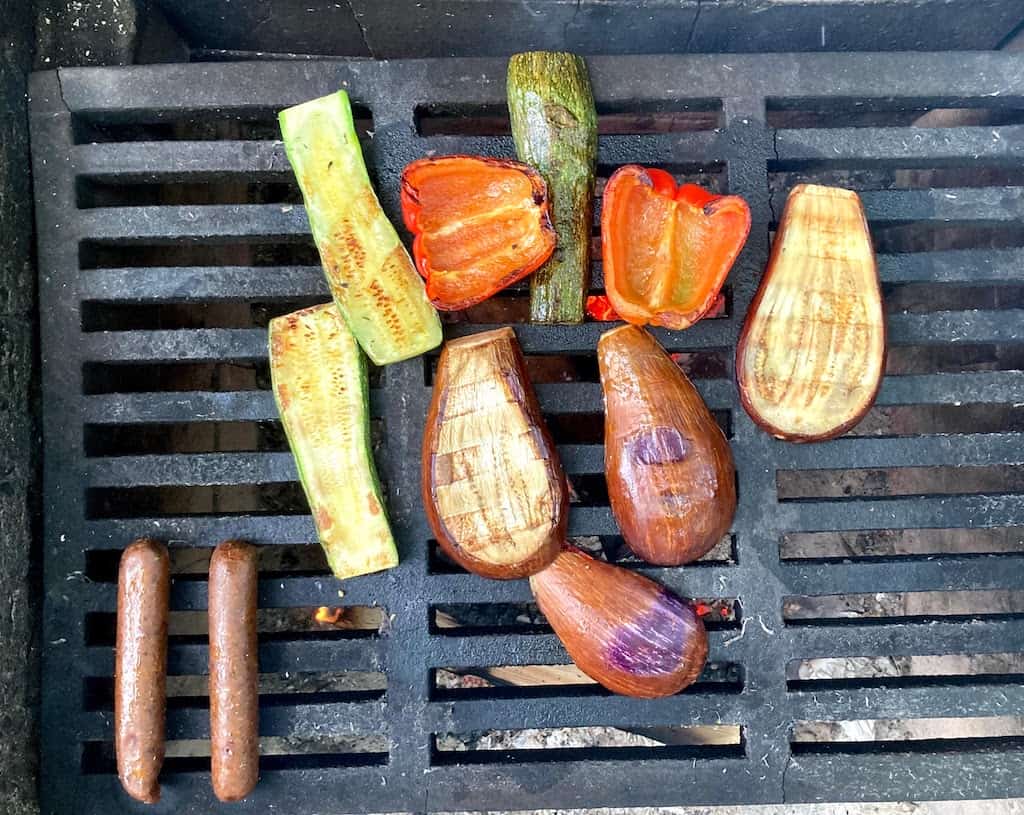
140, 673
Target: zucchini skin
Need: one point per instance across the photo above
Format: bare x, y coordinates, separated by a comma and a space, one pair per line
368, 269
554, 125
320, 385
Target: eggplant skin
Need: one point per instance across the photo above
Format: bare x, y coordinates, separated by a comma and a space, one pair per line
493, 487
623, 630
670, 471
811, 355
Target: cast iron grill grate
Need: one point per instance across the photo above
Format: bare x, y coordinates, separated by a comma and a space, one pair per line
871, 591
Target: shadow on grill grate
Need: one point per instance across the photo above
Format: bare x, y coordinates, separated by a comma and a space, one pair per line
346, 622
513, 307
611, 548
193, 562
92, 192
962, 357
195, 437
636, 119
545, 369
478, 619
98, 316
259, 252
130, 377
899, 482
285, 498
243, 125
217, 377
923, 420
308, 687
276, 753
179, 437
825, 112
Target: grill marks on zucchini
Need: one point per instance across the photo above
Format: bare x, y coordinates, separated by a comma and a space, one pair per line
320, 384
371, 276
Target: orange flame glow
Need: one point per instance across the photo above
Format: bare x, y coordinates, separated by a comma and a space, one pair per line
325, 615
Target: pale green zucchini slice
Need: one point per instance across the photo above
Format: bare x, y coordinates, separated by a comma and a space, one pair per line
369, 271
320, 384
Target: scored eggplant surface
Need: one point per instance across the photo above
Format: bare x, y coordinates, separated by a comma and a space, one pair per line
864, 612
812, 351
493, 487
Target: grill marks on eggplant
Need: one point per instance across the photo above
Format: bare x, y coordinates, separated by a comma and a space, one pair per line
812, 351
493, 487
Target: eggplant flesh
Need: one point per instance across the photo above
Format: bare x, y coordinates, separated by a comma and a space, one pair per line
493, 486
812, 351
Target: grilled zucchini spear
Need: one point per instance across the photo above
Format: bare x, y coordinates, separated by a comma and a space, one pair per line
554, 124
319, 379
371, 276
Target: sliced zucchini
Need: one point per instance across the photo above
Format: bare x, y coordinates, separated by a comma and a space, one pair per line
320, 384
369, 271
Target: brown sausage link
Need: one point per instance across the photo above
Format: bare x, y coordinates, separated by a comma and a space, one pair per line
140, 671
234, 671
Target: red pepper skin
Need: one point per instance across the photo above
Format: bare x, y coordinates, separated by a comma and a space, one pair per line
599, 308
480, 224
667, 249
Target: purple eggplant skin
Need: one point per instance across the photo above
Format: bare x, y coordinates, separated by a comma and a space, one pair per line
622, 629
670, 471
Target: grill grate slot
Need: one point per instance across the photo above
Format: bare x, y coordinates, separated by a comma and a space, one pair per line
870, 580
590, 743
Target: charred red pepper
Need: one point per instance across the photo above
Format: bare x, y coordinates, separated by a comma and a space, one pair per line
600, 308
667, 249
480, 224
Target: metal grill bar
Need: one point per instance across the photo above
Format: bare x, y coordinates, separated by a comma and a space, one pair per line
98, 254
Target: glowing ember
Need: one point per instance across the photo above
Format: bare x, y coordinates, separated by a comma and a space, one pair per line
325, 615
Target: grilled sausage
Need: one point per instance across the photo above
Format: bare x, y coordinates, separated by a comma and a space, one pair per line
234, 671
140, 671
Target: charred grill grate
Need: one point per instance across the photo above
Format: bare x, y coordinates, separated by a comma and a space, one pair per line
170, 232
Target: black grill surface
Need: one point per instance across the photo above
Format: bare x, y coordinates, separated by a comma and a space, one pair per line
170, 230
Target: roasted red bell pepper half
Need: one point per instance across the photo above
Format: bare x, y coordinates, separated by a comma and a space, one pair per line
667, 249
480, 224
